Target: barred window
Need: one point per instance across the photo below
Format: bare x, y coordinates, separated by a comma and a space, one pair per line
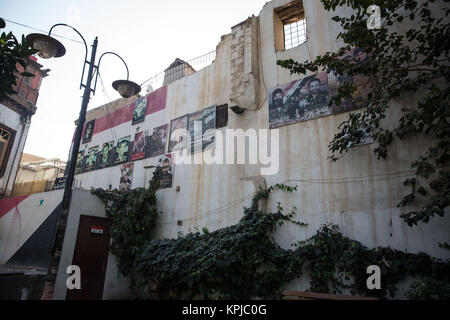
294, 34
289, 25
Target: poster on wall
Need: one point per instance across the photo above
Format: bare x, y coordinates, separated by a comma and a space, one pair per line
361, 83
122, 150
140, 109
106, 155
126, 176
138, 149
178, 142
79, 165
201, 127
91, 160
88, 131
156, 144
300, 100
167, 166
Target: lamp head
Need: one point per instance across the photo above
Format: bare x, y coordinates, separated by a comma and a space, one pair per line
48, 47
126, 88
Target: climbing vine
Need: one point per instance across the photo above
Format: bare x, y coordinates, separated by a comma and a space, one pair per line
242, 261
400, 65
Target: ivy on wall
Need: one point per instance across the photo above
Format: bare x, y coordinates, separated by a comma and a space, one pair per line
242, 261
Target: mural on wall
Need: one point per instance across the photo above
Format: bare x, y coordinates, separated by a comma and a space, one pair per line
106, 155
91, 160
79, 166
198, 125
300, 100
122, 150
139, 111
126, 176
88, 131
156, 144
176, 143
166, 163
139, 143
361, 83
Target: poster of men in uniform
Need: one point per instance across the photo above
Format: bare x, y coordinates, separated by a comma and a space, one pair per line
201, 127
88, 131
91, 160
139, 110
300, 100
176, 141
359, 81
106, 154
157, 141
122, 149
126, 176
79, 166
138, 150
167, 167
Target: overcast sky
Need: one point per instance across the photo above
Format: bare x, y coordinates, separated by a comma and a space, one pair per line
148, 34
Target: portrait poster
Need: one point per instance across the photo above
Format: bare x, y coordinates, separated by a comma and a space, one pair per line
167, 166
157, 139
126, 176
361, 83
106, 155
201, 127
79, 165
300, 100
140, 109
91, 160
138, 149
88, 131
122, 150
177, 142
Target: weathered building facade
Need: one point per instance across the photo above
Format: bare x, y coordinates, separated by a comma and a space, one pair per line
15, 118
358, 193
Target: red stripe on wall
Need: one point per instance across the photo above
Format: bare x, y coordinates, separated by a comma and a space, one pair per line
156, 101
7, 204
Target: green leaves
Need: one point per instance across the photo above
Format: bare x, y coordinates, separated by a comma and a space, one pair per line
12, 53
400, 66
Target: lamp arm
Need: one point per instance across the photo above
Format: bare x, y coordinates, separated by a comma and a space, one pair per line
100, 60
85, 46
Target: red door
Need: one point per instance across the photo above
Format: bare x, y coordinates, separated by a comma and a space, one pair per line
91, 255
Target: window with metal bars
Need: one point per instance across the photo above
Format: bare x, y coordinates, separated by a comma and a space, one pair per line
289, 25
294, 34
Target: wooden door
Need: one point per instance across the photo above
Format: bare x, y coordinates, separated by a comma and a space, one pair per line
91, 255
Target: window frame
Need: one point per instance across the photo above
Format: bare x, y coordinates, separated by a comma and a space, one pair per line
4, 157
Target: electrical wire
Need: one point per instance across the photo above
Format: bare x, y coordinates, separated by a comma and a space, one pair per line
43, 31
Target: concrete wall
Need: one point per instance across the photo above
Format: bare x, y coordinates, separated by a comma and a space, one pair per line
116, 285
12, 120
359, 193
20, 219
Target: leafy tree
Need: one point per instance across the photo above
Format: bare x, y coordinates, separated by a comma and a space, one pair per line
12, 52
401, 64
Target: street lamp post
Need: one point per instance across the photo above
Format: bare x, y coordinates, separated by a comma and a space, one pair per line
48, 48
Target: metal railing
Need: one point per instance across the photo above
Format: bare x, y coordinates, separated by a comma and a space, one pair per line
177, 72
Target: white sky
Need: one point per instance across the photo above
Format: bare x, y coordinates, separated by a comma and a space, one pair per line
147, 34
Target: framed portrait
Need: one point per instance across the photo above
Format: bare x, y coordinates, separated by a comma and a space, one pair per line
122, 150
126, 176
140, 110
361, 83
139, 143
201, 128
106, 155
166, 163
79, 165
157, 139
178, 141
300, 100
88, 131
91, 160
